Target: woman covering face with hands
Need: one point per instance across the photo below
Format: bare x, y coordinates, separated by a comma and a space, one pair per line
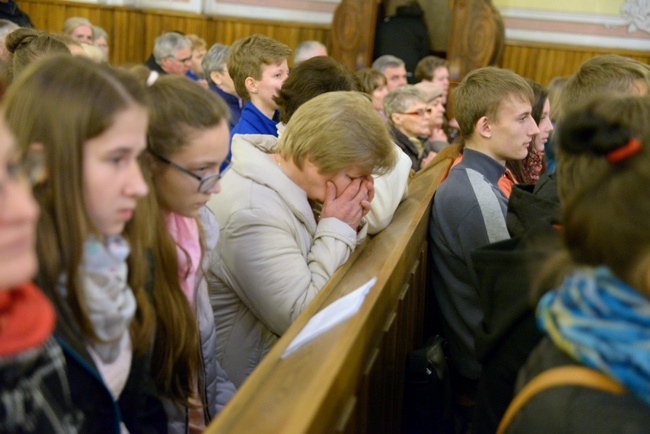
290, 212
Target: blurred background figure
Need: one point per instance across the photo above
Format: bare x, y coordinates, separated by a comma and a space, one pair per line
374, 84
405, 35
308, 49
195, 71
9, 10
437, 139
434, 69
215, 71
100, 40
78, 28
393, 69
172, 54
6, 27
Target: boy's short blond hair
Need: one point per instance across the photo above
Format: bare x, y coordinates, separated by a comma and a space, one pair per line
196, 41
481, 93
249, 55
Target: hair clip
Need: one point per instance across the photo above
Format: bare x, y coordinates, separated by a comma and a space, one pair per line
624, 152
151, 79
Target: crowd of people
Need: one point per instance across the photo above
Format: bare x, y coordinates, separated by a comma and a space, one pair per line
161, 232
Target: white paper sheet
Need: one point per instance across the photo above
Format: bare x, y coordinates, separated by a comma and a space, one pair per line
337, 312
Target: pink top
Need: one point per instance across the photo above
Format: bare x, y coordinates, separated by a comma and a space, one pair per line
185, 231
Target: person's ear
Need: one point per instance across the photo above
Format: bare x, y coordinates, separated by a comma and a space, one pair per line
397, 119
251, 85
216, 78
483, 127
36, 156
164, 62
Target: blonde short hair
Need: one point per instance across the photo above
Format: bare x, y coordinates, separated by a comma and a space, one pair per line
73, 22
337, 131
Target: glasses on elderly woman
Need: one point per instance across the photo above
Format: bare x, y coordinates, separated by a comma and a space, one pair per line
206, 183
419, 112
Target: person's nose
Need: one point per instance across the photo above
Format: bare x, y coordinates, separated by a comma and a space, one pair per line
17, 202
216, 188
136, 185
534, 129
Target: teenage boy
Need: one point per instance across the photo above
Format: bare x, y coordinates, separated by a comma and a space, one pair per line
493, 107
258, 67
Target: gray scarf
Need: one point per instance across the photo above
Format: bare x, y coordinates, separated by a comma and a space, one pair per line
109, 300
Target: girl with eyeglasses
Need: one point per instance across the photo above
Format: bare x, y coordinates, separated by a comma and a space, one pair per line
186, 145
88, 124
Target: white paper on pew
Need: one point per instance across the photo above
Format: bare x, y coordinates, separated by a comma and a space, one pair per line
337, 312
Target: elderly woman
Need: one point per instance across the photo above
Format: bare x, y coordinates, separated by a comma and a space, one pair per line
291, 212
408, 116
437, 138
216, 73
78, 28
100, 40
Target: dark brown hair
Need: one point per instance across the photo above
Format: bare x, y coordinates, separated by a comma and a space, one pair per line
309, 79
605, 205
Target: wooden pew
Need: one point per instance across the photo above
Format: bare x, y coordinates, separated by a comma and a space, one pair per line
351, 379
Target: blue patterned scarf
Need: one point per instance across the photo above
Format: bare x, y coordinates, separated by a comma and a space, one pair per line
603, 323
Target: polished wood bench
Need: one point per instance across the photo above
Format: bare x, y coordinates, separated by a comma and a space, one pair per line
351, 379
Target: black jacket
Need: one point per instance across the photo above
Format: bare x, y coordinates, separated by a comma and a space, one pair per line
573, 409
404, 35
138, 406
506, 271
153, 65
10, 11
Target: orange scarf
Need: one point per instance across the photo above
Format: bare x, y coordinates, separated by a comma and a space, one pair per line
27, 319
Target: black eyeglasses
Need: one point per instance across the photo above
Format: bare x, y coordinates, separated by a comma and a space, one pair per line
206, 183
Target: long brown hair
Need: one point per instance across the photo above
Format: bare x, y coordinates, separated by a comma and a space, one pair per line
178, 107
61, 103
605, 204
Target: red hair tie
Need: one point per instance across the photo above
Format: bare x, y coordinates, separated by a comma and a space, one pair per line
624, 152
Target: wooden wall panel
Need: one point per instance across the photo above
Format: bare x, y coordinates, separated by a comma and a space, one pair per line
132, 31
542, 62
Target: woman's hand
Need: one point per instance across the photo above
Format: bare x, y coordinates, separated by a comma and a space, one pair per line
438, 135
370, 185
426, 160
351, 204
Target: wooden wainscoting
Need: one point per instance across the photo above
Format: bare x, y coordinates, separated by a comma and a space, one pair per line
541, 62
132, 31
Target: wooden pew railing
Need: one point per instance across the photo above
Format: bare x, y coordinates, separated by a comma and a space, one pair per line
351, 379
